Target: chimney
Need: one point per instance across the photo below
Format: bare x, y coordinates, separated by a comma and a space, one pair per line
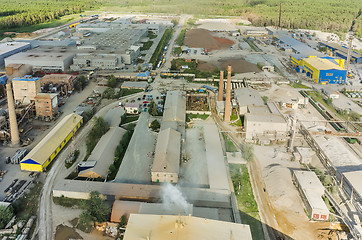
14, 131
228, 96
221, 86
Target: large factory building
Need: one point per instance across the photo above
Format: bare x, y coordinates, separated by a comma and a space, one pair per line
11, 48
48, 148
323, 70
341, 51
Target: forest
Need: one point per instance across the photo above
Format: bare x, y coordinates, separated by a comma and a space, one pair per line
327, 15
19, 13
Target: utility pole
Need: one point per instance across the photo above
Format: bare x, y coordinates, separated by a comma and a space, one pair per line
280, 14
349, 52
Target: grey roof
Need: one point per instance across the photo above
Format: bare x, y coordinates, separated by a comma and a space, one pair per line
103, 153
258, 109
354, 178
132, 84
312, 188
340, 49
299, 47
248, 96
137, 160
167, 153
266, 118
11, 46
163, 209
175, 106
215, 158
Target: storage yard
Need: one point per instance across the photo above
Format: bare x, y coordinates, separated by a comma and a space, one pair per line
85, 109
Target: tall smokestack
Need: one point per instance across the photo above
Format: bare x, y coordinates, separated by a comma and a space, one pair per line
221, 86
228, 96
280, 14
14, 131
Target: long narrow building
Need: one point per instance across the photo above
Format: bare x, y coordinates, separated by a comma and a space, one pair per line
49, 147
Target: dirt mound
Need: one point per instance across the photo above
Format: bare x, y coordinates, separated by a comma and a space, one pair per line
238, 65
26, 35
205, 66
202, 38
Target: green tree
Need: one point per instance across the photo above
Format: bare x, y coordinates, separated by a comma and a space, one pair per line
95, 208
153, 109
155, 125
265, 99
112, 81
354, 116
6, 213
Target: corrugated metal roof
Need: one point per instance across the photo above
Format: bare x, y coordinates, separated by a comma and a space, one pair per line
167, 153
42, 151
103, 153
248, 96
175, 106
322, 63
183, 227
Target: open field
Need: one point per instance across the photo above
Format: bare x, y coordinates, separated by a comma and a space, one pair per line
201, 38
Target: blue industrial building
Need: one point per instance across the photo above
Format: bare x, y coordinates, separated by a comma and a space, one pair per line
341, 51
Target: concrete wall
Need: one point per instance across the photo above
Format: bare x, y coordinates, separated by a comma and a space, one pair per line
26, 90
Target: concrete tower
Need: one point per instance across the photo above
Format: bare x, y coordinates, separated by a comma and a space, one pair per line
221, 86
228, 96
14, 131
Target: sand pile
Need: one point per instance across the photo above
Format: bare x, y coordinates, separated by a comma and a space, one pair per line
202, 38
238, 65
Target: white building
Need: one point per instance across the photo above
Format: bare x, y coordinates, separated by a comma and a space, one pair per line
246, 97
265, 127
11, 48
131, 108
44, 58
311, 191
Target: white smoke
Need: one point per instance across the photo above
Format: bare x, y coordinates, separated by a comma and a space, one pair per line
172, 198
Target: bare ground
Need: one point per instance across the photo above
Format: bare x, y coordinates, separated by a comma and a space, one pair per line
202, 38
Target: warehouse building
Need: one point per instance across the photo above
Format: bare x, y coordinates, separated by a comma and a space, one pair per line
341, 51
46, 105
26, 88
44, 58
48, 148
265, 127
140, 226
102, 155
174, 115
10, 48
93, 61
134, 85
311, 191
247, 97
323, 70
166, 164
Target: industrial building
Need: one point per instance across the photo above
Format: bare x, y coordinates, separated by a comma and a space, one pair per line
48, 148
94, 61
166, 164
341, 51
323, 70
18, 70
311, 191
140, 226
25, 88
102, 155
330, 92
134, 85
61, 79
265, 127
215, 158
46, 105
174, 115
247, 97
10, 48
44, 58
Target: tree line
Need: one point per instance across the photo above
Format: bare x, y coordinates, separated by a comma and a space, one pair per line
18, 13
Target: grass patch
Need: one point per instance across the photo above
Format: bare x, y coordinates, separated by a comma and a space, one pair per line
299, 85
161, 46
233, 117
177, 51
126, 92
68, 202
130, 118
146, 45
190, 116
181, 37
229, 145
245, 199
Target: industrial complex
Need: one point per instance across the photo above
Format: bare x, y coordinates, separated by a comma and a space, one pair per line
180, 130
